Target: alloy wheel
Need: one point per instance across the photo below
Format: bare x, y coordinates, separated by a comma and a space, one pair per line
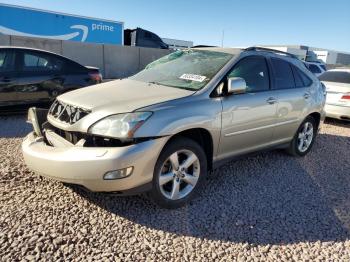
305, 137
179, 174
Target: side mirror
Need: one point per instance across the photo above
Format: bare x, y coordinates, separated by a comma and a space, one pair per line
236, 85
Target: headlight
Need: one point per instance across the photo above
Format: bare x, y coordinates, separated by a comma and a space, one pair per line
119, 126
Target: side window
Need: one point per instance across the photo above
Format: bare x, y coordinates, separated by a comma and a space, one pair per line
7, 61
3, 56
283, 74
297, 77
41, 62
34, 61
298, 74
254, 71
314, 69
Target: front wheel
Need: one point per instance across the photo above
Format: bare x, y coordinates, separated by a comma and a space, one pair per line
304, 138
179, 172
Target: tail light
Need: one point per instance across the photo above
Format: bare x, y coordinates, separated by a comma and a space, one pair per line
345, 97
96, 77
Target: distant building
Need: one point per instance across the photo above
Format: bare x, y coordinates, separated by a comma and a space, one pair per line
31, 22
177, 44
330, 57
311, 54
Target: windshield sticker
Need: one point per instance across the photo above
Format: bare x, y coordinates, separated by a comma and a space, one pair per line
192, 77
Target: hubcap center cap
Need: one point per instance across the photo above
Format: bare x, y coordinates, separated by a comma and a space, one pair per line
179, 173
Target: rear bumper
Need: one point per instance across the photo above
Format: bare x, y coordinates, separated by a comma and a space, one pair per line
338, 111
86, 166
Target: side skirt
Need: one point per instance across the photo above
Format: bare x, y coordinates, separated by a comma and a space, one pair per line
221, 162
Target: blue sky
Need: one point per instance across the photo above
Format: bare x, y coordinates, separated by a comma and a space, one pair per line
322, 23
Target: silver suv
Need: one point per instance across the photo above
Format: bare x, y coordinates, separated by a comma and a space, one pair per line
161, 130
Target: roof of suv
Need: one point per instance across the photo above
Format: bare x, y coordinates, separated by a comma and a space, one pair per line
232, 51
236, 51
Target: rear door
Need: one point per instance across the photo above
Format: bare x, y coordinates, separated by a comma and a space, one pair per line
40, 76
293, 91
8, 74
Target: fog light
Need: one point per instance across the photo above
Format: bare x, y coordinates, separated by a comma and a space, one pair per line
118, 174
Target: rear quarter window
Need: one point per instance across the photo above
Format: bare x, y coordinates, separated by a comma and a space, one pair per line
301, 79
74, 68
297, 77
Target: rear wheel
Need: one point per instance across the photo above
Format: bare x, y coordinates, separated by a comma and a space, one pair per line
179, 172
304, 138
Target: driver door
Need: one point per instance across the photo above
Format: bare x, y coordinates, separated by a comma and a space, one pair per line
248, 119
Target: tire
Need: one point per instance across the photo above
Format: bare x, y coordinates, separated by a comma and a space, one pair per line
304, 131
172, 186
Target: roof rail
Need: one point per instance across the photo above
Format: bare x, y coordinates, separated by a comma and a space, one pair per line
257, 48
203, 46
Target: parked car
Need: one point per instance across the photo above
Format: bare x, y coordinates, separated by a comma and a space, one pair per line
29, 76
316, 68
337, 82
162, 129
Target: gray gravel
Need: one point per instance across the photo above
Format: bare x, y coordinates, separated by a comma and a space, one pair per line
265, 207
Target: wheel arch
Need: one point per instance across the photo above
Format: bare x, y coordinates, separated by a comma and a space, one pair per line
203, 137
317, 117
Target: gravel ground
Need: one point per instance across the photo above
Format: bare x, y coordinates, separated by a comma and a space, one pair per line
265, 207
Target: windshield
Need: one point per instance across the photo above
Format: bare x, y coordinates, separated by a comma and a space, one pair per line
187, 69
336, 76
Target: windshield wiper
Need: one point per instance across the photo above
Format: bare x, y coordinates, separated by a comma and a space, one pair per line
154, 83
180, 87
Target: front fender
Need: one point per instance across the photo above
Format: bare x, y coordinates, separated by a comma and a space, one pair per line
171, 120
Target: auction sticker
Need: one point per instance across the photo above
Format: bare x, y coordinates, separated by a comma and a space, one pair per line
192, 77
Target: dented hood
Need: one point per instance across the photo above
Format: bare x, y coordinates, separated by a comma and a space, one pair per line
121, 96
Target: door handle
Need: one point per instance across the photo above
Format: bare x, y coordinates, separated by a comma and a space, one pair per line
306, 95
271, 100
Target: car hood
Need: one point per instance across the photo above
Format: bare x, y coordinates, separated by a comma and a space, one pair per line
121, 96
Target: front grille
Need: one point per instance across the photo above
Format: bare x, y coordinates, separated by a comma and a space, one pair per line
67, 113
89, 140
72, 137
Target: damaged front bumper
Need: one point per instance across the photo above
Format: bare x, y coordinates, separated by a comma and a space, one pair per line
87, 166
